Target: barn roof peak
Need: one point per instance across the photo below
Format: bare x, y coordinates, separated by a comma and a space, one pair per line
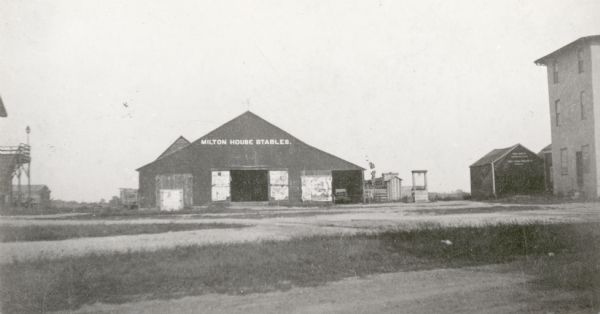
249, 125
179, 143
495, 155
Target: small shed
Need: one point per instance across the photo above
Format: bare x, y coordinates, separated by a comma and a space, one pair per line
507, 171
546, 155
40, 195
128, 197
387, 188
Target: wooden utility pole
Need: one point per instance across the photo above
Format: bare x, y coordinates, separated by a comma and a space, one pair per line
28, 130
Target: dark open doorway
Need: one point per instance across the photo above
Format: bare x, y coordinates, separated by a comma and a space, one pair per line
347, 186
249, 185
579, 168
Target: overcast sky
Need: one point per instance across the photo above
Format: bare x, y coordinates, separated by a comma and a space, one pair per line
407, 84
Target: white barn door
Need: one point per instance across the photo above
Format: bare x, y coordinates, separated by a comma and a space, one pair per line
220, 186
279, 185
171, 200
316, 188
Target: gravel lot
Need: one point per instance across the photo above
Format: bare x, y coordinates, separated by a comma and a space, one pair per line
297, 222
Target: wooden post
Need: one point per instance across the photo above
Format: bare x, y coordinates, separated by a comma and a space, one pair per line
28, 130
493, 180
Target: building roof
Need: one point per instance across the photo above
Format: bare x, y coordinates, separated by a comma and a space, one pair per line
544, 60
251, 125
2, 109
545, 150
389, 176
35, 188
494, 155
179, 143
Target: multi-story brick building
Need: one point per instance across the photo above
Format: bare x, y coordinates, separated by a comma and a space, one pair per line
574, 96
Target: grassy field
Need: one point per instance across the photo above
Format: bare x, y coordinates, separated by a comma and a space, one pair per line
10, 233
237, 213
474, 210
560, 256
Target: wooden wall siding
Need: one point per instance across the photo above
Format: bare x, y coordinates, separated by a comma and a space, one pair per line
376, 195
520, 172
394, 189
147, 190
7, 167
184, 181
481, 182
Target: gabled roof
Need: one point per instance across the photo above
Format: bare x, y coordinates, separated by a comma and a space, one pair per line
547, 149
543, 60
2, 109
254, 126
494, 155
179, 144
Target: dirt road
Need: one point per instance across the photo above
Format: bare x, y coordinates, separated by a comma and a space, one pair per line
488, 289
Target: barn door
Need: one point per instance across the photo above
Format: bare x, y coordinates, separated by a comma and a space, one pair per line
316, 188
220, 186
279, 185
171, 200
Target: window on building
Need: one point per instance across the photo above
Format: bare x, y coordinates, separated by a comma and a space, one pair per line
555, 72
564, 162
582, 104
557, 111
580, 60
585, 155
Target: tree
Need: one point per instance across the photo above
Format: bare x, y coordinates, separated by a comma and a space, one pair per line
115, 201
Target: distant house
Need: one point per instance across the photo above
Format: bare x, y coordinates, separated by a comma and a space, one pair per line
128, 197
40, 195
507, 171
387, 188
546, 155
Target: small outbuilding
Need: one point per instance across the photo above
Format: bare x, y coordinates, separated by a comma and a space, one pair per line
40, 195
387, 188
128, 197
507, 171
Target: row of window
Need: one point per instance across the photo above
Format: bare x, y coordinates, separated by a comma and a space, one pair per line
580, 65
582, 160
557, 108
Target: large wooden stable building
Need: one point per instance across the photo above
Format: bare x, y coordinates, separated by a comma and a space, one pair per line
246, 160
